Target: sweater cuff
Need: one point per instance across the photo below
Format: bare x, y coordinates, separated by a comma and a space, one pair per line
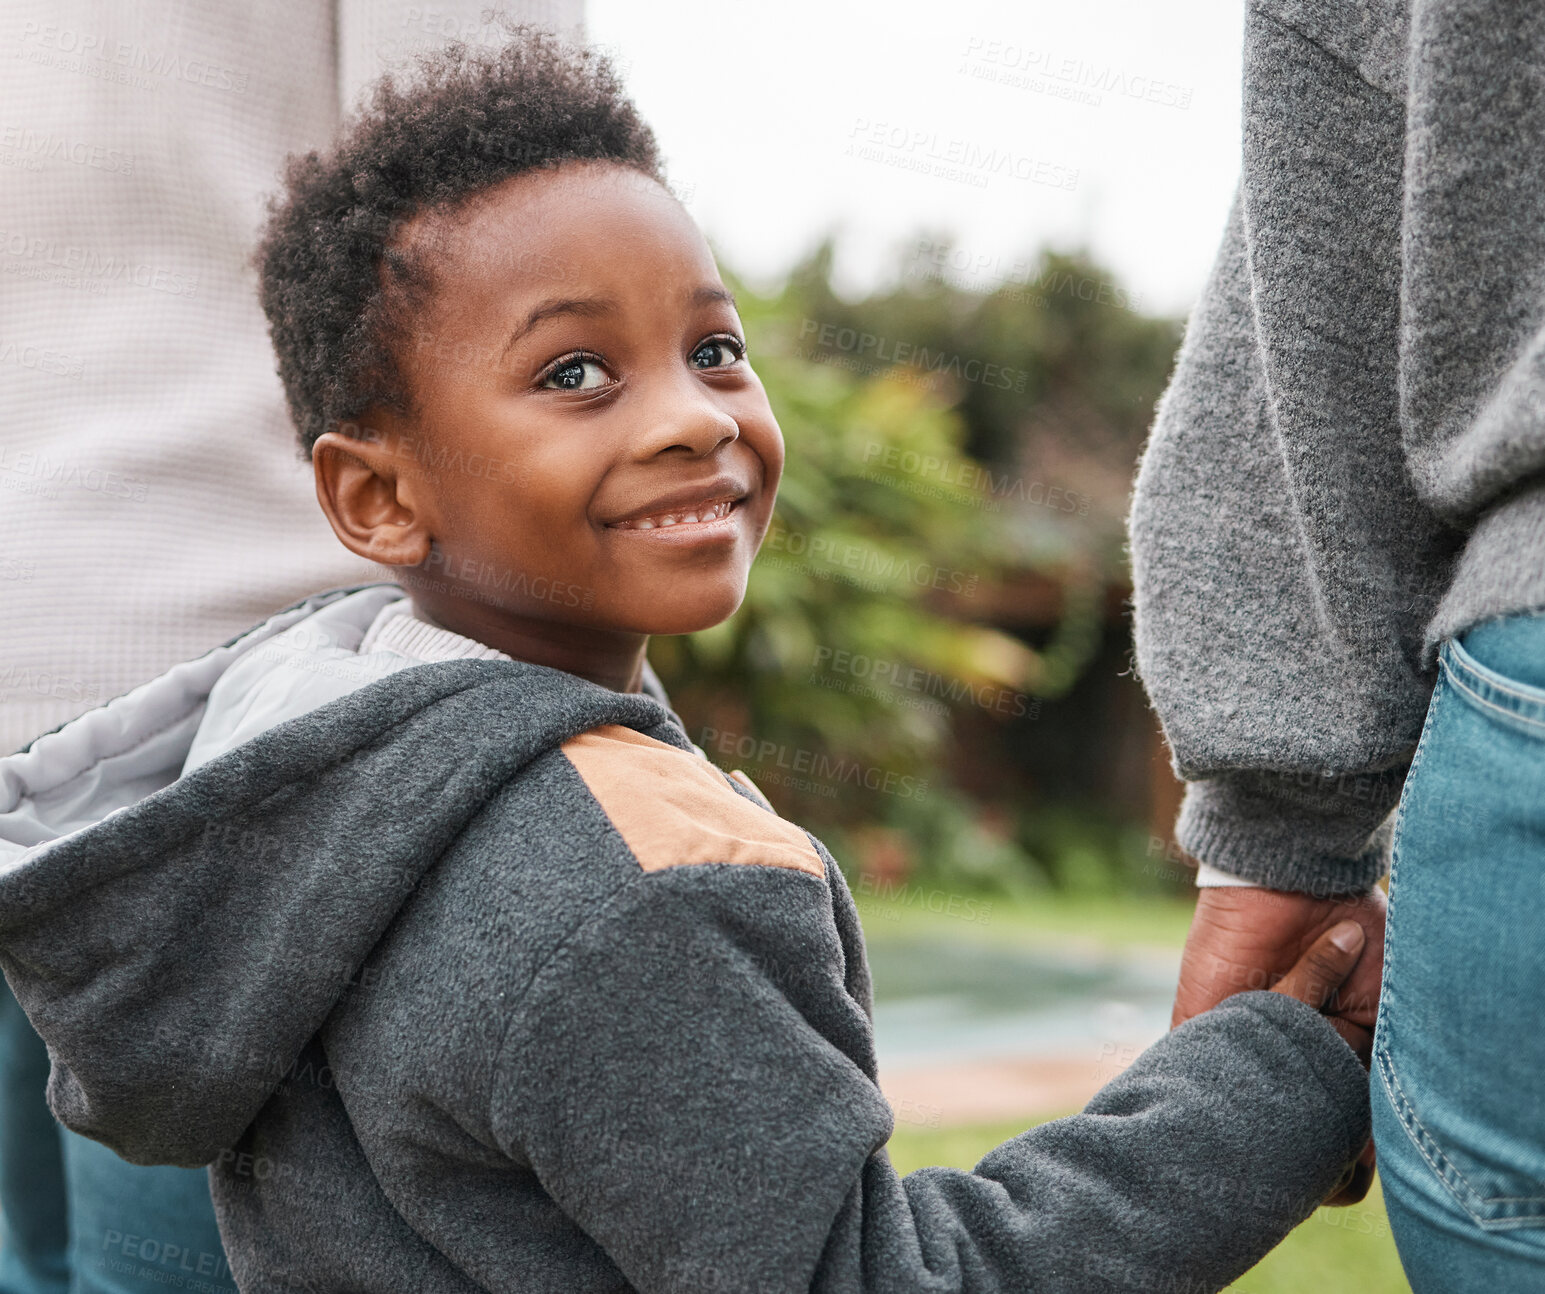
1327, 836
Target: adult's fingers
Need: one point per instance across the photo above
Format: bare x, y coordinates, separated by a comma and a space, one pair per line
1325, 967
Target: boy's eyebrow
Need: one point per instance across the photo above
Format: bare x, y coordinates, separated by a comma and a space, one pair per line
593, 306
590, 306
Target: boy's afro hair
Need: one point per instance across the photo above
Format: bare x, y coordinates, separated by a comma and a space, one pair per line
334, 282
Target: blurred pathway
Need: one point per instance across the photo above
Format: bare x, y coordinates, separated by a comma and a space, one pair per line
973, 1032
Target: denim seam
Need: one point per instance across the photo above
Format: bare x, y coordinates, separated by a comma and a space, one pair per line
1380, 1024
1406, 1113
1463, 662
1416, 763
1491, 705
1522, 692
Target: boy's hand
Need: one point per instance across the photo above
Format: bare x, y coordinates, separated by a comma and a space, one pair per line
1314, 979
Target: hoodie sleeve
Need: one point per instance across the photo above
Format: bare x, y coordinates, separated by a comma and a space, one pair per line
693, 1083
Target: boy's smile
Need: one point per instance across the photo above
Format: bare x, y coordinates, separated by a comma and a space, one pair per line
575, 343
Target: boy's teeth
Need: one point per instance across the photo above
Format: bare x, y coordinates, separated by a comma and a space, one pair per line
712, 513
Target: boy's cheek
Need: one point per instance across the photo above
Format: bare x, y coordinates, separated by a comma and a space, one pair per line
771, 455
763, 519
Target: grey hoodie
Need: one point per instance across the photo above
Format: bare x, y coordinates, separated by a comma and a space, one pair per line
477, 976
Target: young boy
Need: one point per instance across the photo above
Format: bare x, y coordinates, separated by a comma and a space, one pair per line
421, 920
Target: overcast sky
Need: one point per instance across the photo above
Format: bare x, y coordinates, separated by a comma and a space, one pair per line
1108, 124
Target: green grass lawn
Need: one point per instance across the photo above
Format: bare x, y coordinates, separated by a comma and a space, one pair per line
1337, 1251
1126, 921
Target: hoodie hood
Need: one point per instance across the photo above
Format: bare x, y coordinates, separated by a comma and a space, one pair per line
177, 938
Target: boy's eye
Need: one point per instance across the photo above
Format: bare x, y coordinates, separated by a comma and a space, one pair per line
576, 374
718, 353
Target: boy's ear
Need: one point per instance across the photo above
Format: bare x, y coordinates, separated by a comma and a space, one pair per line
369, 489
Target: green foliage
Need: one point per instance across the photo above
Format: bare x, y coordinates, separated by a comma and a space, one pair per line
1092, 366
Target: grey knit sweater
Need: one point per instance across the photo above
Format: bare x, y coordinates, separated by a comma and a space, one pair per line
1349, 464
479, 977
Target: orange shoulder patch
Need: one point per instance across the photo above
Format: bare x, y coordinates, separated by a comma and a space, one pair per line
672, 808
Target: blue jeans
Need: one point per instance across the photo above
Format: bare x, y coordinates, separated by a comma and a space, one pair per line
76, 1219
1458, 1079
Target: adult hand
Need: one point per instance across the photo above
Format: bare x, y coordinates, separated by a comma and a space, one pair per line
1246, 938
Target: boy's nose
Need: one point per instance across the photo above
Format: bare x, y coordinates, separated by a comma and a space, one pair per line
683, 417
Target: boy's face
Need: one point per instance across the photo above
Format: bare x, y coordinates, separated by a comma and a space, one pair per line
591, 448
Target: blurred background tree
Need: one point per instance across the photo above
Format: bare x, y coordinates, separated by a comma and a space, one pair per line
931, 667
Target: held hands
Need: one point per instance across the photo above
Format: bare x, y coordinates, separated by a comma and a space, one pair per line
1244, 939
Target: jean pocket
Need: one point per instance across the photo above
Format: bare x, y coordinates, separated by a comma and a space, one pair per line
1504, 674
1490, 1177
